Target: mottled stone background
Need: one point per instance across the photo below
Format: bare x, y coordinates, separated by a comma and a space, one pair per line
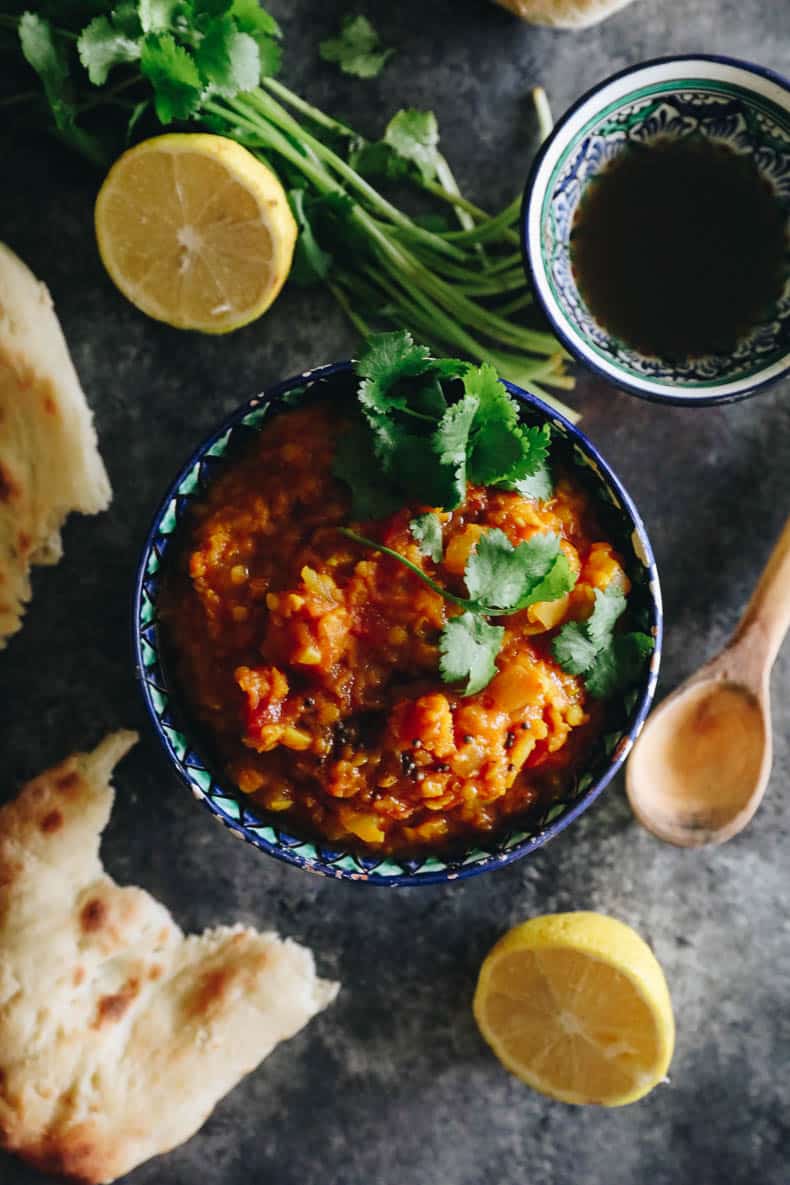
393, 1085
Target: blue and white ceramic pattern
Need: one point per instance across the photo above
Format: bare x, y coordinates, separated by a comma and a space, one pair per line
729, 102
209, 785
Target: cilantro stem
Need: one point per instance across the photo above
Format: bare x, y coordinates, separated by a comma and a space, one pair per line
415, 568
360, 326
466, 603
270, 108
300, 104
543, 112
514, 306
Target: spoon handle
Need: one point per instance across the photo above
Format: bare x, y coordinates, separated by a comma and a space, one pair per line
767, 617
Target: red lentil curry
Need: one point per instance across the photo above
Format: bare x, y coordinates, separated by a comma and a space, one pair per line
313, 661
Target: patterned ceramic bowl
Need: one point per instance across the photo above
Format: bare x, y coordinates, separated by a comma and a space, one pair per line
190, 753
730, 102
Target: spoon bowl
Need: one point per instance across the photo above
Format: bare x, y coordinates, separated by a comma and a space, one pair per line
701, 766
699, 772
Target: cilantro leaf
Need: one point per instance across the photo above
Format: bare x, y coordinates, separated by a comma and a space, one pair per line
157, 16
502, 449
357, 50
386, 359
590, 648
174, 76
450, 442
558, 581
619, 664
229, 61
310, 262
378, 160
101, 46
609, 607
411, 462
500, 576
427, 531
468, 648
539, 485
252, 19
206, 11
370, 495
47, 57
414, 136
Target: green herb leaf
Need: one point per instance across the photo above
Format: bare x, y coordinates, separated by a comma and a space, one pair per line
357, 50
378, 160
619, 664
427, 530
451, 441
48, 58
386, 359
370, 495
229, 61
206, 11
174, 76
539, 485
414, 136
310, 264
502, 449
102, 45
253, 19
468, 648
500, 576
590, 648
411, 463
157, 16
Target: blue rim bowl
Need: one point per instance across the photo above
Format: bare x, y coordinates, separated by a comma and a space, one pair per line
729, 102
182, 742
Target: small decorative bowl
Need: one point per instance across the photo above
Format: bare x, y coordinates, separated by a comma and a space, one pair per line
727, 101
189, 751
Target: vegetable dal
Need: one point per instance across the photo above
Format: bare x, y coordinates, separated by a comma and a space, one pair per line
312, 661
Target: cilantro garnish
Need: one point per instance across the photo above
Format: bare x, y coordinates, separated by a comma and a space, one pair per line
414, 137
468, 648
427, 532
609, 662
500, 579
357, 49
433, 424
421, 428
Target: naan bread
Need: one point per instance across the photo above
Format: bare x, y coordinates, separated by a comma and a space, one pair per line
564, 14
118, 1035
49, 460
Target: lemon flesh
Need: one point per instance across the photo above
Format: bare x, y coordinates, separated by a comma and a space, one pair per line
195, 231
577, 1006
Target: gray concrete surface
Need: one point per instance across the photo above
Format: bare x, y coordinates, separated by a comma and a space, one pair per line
393, 1086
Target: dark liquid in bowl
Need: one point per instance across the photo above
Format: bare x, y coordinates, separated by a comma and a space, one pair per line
678, 248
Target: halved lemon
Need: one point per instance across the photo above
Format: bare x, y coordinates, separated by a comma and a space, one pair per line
576, 1006
195, 231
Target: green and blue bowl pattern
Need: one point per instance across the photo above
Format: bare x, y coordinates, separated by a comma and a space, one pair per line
189, 748
729, 102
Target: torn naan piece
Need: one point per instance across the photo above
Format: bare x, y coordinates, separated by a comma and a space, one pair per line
118, 1034
49, 459
564, 14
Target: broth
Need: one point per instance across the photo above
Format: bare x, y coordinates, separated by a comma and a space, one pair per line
678, 248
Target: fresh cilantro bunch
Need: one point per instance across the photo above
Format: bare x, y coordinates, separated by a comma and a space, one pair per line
427, 426
111, 72
421, 429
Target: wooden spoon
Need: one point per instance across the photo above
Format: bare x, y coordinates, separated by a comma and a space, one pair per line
700, 768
